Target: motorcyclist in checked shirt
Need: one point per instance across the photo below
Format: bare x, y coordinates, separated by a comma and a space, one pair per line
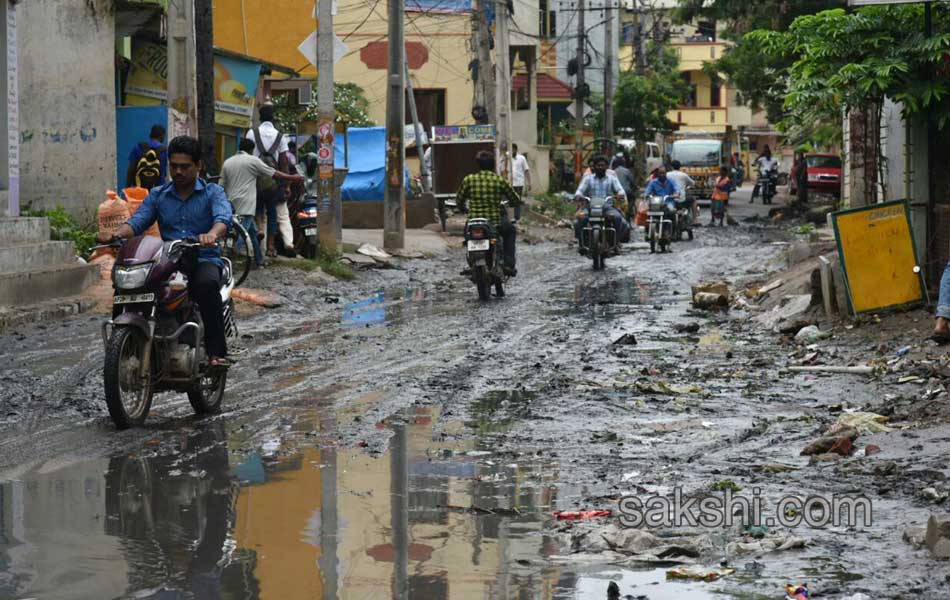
482, 193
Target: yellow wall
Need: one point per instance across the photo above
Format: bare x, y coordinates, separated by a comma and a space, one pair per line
693, 56
700, 119
276, 27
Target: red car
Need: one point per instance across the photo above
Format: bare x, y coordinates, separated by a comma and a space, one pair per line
824, 173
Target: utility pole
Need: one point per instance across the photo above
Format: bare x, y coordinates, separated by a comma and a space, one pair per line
502, 90
204, 71
579, 94
417, 128
609, 74
394, 223
329, 223
181, 68
486, 77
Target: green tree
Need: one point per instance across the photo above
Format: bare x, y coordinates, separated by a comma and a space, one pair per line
643, 101
758, 77
349, 100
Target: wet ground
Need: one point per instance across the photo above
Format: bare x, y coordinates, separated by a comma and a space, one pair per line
393, 437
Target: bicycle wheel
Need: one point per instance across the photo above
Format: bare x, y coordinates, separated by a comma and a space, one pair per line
241, 255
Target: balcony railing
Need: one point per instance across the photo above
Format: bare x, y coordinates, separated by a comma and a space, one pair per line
712, 117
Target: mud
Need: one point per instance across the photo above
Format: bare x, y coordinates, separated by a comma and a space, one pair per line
393, 437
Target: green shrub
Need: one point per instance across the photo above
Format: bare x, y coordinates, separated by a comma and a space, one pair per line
64, 228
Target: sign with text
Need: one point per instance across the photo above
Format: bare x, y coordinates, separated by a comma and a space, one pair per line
235, 83
878, 256
463, 133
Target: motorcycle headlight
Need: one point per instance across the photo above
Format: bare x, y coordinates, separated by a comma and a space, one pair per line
131, 278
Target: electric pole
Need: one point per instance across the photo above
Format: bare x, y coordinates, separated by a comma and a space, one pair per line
394, 224
579, 95
329, 221
417, 128
486, 77
181, 68
204, 71
502, 90
609, 74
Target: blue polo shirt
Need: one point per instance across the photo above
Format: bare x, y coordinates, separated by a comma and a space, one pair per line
180, 218
661, 188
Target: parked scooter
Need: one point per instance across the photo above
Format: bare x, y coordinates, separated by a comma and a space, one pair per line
482, 244
599, 237
308, 214
661, 216
155, 339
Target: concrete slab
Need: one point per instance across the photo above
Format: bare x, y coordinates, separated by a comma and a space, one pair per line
429, 243
19, 289
25, 256
19, 230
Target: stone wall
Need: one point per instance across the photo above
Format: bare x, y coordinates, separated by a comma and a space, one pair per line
67, 103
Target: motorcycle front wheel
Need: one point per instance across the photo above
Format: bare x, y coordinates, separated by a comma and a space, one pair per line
128, 394
206, 397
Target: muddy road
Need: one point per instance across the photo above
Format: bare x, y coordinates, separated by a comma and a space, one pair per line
393, 437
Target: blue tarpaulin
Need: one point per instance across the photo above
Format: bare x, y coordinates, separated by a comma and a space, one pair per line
366, 179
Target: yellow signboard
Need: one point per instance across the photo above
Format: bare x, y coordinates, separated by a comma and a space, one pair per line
878, 256
235, 83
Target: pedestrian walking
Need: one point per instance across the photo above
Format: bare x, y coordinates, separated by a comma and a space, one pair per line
271, 146
520, 177
148, 161
720, 197
239, 178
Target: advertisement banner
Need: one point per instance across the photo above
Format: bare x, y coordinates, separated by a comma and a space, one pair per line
235, 83
463, 133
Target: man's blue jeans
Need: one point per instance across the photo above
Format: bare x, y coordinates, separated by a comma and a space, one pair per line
250, 224
943, 302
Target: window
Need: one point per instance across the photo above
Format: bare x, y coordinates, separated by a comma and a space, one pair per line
547, 20
430, 105
691, 97
715, 95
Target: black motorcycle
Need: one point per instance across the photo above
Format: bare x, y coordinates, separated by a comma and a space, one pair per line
599, 236
482, 253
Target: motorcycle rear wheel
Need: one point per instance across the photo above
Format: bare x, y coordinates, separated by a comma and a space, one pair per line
499, 288
127, 396
481, 282
207, 396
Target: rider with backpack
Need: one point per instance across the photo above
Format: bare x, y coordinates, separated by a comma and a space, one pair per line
271, 146
148, 161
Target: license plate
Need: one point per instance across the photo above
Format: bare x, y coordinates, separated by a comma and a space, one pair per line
478, 244
133, 298
310, 231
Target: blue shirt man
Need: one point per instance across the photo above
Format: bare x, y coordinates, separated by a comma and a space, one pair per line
186, 207
661, 186
156, 139
191, 217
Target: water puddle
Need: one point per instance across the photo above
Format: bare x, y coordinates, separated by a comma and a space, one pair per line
648, 583
390, 306
203, 513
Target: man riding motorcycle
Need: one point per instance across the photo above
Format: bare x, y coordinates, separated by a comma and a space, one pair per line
765, 163
662, 185
600, 184
189, 207
481, 195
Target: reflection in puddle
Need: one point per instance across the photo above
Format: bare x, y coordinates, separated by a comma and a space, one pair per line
650, 583
390, 306
201, 516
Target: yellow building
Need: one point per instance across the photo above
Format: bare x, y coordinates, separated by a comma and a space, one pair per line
437, 49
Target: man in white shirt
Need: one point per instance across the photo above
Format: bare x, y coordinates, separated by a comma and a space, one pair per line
765, 163
682, 181
239, 179
270, 199
520, 176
